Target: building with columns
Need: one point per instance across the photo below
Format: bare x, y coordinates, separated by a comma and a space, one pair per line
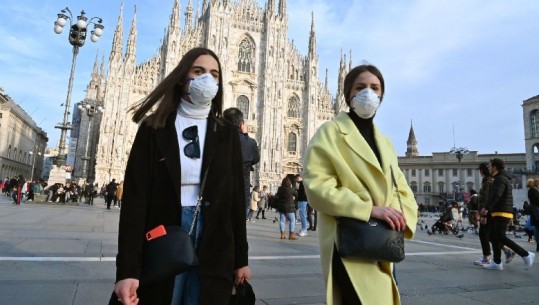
22, 142
530, 111
442, 176
277, 88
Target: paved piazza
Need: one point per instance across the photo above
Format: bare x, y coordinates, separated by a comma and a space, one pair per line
64, 255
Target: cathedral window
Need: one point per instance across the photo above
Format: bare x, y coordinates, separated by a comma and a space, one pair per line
292, 143
246, 56
9, 152
293, 107
242, 103
426, 187
534, 121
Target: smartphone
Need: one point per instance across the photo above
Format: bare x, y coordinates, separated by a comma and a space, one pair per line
156, 232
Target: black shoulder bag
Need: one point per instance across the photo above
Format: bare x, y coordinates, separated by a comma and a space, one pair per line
370, 240
173, 253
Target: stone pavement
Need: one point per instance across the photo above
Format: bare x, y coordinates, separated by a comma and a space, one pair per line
60, 255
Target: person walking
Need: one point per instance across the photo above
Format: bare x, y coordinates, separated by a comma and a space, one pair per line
500, 207
181, 139
302, 205
473, 207
347, 172
263, 203
286, 208
120, 193
111, 192
255, 198
533, 197
249, 150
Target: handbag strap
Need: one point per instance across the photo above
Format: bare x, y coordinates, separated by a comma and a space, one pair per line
199, 200
396, 187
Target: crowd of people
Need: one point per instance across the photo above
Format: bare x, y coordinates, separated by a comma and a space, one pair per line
21, 190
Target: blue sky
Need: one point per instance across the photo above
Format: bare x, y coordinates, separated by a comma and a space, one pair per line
465, 65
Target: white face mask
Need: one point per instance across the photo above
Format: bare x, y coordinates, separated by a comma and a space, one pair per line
203, 89
365, 103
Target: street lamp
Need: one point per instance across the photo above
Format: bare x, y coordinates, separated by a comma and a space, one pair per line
77, 37
34, 161
91, 107
459, 152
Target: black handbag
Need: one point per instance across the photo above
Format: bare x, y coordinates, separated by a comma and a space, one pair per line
173, 253
243, 295
370, 240
167, 256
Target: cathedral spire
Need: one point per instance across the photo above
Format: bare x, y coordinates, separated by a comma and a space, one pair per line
312, 36
326, 81
350, 62
189, 15
270, 7
282, 7
132, 39
117, 40
175, 16
411, 144
102, 67
95, 71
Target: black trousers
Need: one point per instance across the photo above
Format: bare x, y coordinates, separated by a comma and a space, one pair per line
498, 239
484, 236
342, 281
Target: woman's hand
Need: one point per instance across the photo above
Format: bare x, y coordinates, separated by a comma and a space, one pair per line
126, 290
242, 274
393, 217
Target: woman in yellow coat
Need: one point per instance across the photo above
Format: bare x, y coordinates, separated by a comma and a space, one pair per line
348, 173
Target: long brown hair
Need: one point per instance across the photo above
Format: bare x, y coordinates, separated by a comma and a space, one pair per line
169, 91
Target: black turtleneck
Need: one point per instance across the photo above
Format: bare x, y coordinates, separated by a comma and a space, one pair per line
366, 129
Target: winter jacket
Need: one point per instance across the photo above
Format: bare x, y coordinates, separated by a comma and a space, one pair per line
484, 192
501, 193
285, 201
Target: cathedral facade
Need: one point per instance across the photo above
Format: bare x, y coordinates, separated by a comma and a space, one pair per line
277, 88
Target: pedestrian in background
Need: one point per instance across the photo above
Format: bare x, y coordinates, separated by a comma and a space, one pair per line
255, 198
302, 205
249, 150
286, 207
500, 208
263, 203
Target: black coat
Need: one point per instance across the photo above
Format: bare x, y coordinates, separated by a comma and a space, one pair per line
152, 197
533, 196
250, 153
501, 193
285, 199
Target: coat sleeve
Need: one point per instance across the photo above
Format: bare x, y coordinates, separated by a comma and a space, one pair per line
133, 212
241, 247
325, 192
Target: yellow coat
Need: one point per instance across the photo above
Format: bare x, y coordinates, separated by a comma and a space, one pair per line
343, 177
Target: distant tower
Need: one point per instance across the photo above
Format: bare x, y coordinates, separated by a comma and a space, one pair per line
411, 144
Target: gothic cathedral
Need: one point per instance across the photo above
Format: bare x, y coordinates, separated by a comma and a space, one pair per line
277, 88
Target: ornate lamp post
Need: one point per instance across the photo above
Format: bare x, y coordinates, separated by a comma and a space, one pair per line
459, 152
91, 107
77, 37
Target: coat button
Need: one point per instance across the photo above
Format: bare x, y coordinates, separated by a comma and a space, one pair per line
206, 203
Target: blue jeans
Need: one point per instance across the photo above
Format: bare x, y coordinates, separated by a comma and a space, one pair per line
187, 284
303, 214
291, 221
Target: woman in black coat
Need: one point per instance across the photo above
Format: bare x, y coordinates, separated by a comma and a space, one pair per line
182, 139
286, 206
